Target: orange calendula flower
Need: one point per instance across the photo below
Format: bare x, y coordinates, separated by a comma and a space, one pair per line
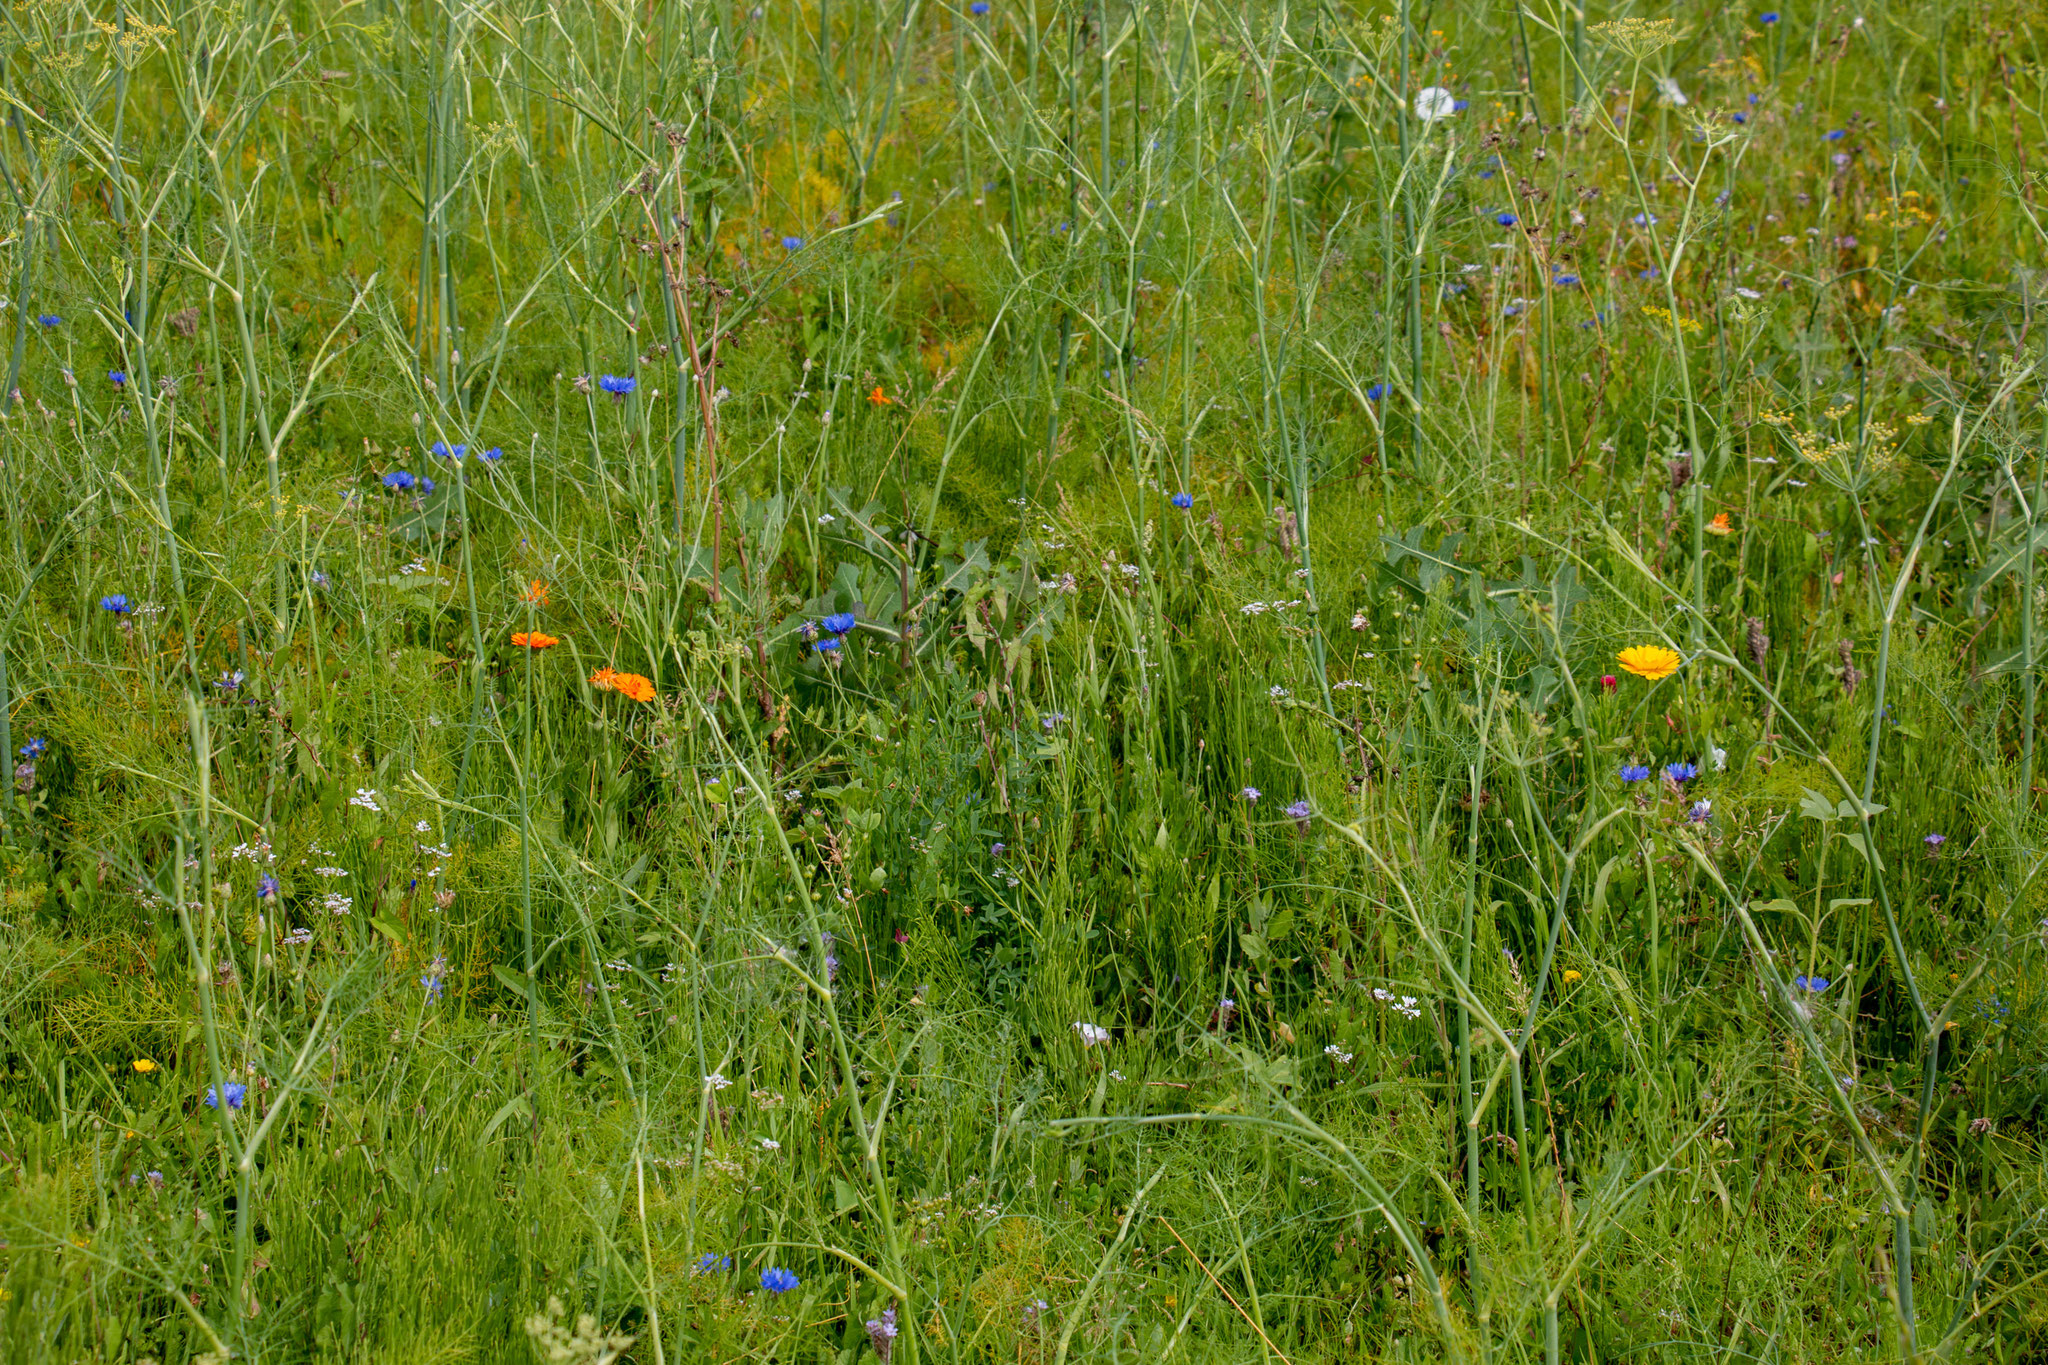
1719, 525
1649, 661
633, 686
604, 679
534, 640
536, 593
880, 399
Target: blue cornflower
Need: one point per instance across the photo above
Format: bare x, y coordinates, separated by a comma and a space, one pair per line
35, 748
118, 378
1741, 117
235, 1091
711, 1261
1681, 772
828, 645
838, 623
117, 604
1460, 106
433, 987
1565, 281
492, 456
1813, 984
1769, 16
1182, 500
230, 682
1701, 812
1834, 135
978, 8
778, 1281
426, 485
1634, 772
399, 479
50, 320
1644, 220
448, 452
1652, 273
266, 887
1506, 219
1375, 392
618, 386
792, 244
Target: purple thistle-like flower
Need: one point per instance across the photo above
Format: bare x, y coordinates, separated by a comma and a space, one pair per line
1934, 842
882, 1333
1250, 794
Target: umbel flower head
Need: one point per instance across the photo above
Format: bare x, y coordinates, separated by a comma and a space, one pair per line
1649, 661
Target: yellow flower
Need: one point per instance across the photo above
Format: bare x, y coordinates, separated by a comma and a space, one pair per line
1649, 661
1570, 976
144, 1065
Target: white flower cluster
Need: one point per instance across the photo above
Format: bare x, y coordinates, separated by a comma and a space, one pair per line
1337, 1055
366, 797
1405, 1005
1261, 608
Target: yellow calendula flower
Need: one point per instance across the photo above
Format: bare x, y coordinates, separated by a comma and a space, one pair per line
144, 1065
1649, 661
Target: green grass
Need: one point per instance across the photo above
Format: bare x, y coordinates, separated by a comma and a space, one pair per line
1424, 1035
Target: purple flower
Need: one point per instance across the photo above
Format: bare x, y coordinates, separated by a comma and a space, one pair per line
882, 1330
266, 887
1934, 842
1250, 794
1300, 810
1700, 811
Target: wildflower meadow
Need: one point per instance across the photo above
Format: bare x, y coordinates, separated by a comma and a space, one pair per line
1052, 681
